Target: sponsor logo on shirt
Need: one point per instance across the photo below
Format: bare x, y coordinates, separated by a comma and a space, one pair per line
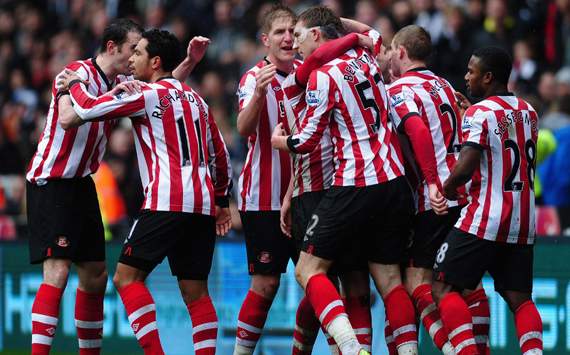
466, 123
396, 100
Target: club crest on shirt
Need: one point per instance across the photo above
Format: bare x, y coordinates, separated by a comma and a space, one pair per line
313, 97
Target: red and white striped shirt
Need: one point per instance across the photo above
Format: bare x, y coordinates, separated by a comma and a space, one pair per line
348, 96
265, 175
501, 196
313, 171
78, 151
422, 93
183, 160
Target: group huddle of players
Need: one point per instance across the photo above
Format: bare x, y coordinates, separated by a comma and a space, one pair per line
361, 162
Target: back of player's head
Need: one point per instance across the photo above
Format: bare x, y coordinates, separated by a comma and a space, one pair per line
495, 60
416, 40
277, 11
321, 16
117, 32
165, 45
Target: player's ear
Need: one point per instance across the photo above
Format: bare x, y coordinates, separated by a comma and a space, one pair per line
487, 78
265, 39
110, 46
155, 62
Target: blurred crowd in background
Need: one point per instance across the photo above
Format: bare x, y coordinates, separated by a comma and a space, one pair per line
38, 38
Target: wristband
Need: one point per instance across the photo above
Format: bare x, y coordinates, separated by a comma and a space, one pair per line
60, 94
73, 82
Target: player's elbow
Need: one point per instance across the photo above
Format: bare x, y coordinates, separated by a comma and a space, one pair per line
243, 128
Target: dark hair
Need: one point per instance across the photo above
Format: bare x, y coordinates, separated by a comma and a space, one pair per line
416, 40
495, 60
321, 16
117, 32
275, 12
165, 45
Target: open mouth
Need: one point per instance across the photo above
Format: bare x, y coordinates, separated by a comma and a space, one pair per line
287, 48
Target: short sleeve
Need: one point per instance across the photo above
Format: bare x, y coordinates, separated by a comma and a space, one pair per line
403, 105
475, 129
246, 89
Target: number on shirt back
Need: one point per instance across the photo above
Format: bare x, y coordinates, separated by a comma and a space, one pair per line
184, 141
451, 146
369, 102
530, 153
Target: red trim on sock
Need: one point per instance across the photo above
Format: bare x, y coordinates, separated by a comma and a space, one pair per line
402, 315
324, 298
423, 299
479, 307
529, 326
46, 303
306, 328
253, 312
203, 313
89, 308
358, 311
455, 315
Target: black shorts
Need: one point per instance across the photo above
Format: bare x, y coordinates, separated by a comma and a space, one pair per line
187, 239
463, 259
376, 219
268, 249
302, 209
64, 221
430, 230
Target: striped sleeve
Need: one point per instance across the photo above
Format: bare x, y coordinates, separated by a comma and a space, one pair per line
402, 106
218, 162
320, 101
106, 106
475, 129
376, 41
246, 89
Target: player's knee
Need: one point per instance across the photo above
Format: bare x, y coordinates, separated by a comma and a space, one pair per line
56, 272
120, 280
515, 299
438, 290
266, 285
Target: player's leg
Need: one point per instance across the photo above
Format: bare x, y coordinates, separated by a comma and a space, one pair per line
387, 238
148, 242
460, 264
268, 252
430, 231
513, 276
478, 304
356, 298
55, 229
190, 261
92, 273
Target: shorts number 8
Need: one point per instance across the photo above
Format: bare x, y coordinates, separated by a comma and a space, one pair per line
441, 253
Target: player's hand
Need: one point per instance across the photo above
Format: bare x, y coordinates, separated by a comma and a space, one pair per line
437, 201
130, 87
197, 48
223, 221
462, 101
63, 80
263, 78
450, 192
285, 220
365, 41
278, 136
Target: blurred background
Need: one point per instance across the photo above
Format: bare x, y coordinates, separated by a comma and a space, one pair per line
38, 38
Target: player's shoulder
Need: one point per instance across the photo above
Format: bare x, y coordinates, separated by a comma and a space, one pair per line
84, 68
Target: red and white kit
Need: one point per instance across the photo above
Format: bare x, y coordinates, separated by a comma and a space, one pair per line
501, 197
265, 175
173, 179
420, 92
78, 151
366, 147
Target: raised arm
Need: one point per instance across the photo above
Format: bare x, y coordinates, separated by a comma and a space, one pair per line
194, 54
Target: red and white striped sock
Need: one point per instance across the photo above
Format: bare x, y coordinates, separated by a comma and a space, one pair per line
45, 314
429, 315
204, 326
251, 320
481, 317
358, 310
306, 328
402, 316
89, 322
457, 321
331, 313
529, 328
333, 348
142, 316
388, 335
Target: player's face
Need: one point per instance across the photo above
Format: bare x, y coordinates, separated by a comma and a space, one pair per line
139, 63
474, 78
305, 39
279, 40
125, 51
395, 56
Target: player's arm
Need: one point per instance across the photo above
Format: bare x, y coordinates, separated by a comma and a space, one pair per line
475, 136
67, 117
252, 95
285, 216
219, 163
194, 54
320, 101
103, 107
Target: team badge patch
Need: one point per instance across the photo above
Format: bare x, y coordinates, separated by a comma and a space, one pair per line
264, 257
313, 97
62, 242
466, 124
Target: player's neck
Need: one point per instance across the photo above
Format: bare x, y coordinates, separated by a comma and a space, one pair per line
414, 65
106, 65
496, 90
284, 66
158, 75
